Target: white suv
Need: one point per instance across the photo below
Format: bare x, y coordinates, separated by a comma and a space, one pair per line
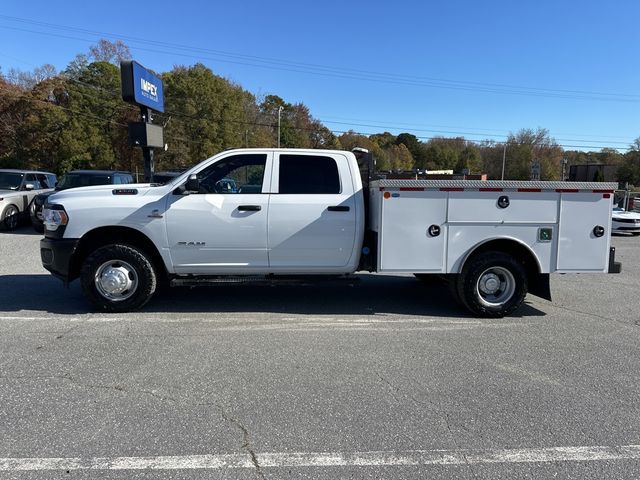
17, 190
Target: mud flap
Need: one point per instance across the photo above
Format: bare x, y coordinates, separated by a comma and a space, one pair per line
614, 267
539, 286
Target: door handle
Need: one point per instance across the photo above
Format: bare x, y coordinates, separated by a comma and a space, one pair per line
249, 208
338, 208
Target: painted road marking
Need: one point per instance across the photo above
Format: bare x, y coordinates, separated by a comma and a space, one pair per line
329, 459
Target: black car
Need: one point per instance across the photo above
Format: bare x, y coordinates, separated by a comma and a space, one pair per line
161, 178
75, 179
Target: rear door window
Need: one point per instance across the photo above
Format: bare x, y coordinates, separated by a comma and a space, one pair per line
310, 174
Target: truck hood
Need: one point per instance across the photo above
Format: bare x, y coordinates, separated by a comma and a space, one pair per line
140, 189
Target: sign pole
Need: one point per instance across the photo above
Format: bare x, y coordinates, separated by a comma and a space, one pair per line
147, 152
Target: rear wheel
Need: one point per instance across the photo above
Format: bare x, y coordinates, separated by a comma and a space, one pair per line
492, 284
635, 234
118, 278
10, 217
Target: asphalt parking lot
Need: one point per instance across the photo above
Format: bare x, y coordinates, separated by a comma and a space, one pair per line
379, 378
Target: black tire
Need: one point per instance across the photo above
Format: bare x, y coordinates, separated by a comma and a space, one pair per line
11, 217
635, 234
452, 284
497, 270
123, 263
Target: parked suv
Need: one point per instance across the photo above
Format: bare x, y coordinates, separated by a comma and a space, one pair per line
74, 179
17, 190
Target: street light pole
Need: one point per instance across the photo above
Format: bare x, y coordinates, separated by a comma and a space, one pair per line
504, 158
279, 113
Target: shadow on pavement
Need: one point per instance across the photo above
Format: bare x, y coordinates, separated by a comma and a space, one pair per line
366, 295
21, 230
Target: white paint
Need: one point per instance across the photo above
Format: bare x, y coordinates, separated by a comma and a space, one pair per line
330, 459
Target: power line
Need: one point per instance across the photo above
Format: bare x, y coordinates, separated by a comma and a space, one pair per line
384, 127
338, 72
483, 131
338, 132
335, 132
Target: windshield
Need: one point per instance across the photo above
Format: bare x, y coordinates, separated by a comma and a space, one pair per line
74, 180
10, 180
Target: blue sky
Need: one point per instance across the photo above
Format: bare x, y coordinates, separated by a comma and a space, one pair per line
477, 69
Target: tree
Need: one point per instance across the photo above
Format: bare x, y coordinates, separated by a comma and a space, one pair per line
400, 158
111, 52
415, 146
629, 170
526, 146
204, 115
27, 80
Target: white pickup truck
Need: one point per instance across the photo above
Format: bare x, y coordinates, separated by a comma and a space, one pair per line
284, 212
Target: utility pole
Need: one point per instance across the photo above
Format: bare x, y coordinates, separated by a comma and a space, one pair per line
279, 113
504, 158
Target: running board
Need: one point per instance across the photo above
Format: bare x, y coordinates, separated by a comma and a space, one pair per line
197, 281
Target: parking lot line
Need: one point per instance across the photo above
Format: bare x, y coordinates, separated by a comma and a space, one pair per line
329, 459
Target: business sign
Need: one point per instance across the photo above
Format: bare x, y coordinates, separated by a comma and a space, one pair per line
142, 134
141, 87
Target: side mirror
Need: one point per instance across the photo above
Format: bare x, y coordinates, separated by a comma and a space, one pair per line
29, 186
193, 184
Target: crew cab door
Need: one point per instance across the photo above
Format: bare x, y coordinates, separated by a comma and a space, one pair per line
312, 213
222, 229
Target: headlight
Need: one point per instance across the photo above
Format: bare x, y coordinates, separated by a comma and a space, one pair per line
53, 216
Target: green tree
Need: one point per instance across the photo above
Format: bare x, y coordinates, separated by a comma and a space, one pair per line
629, 169
205, 114
526, 146
415, 147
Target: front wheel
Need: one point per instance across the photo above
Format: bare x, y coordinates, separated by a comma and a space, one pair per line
10, 217
492, 284
118, 278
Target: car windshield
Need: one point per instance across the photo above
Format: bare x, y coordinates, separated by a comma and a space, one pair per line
10, 180
74, 180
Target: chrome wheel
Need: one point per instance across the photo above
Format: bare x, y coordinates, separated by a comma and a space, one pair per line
116, 280
11, 218
495, 286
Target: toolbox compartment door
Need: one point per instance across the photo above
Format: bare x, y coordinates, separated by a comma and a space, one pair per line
405, 242
579, 249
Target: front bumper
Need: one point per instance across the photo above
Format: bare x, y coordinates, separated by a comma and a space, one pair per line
56, 255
